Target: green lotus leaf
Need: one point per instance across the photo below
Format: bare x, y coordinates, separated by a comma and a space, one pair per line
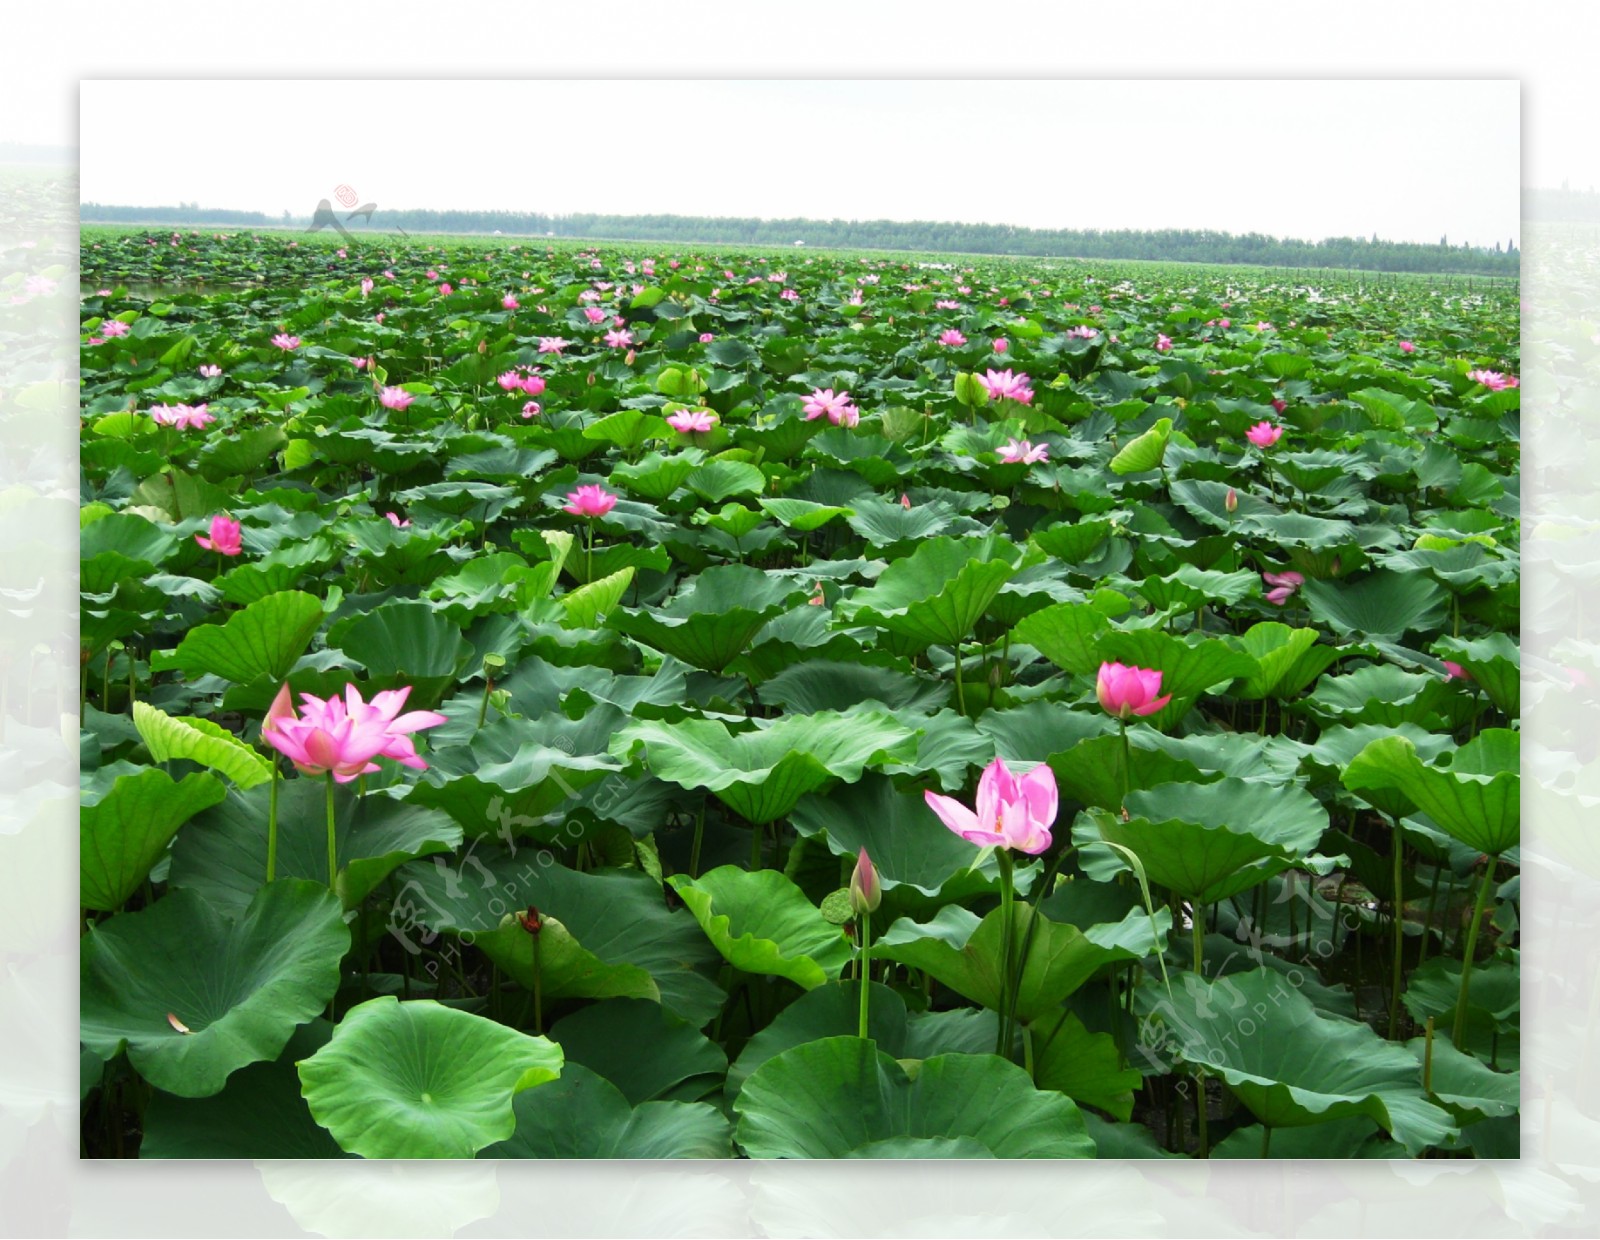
259, 642
709, 624
1464, 1085
1381, 694
1381, 604
1191, 588
405, 643
1096, 771
420, 1080
628, 428
936, 594
199, 740
800, 514
643, 1049
583, 1115
1189, 668
762, 923
1289, 1065
654, 476
1144, 452
827, 684
129, 815
237, 986
718, 480
1495, 662
1287, 660
1084, 1066
843, 1097
589, 604
1477, 799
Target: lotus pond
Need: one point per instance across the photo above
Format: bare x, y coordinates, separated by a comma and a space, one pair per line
542, 702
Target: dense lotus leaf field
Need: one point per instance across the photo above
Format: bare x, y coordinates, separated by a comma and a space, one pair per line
542, 702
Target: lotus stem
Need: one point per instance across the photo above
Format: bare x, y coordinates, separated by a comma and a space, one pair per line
699, 832
864, 922
272, 823
1008, 919
1127, 763
1459, 1027
755, 845
961, 693
538, 989
333, 852
1427, 1058
1198, 938
1266, 1140
1397, 912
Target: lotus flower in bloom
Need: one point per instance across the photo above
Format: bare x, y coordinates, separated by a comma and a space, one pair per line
343, 736
590, 501
394, 519
838, 408
1001, 344
1493, 379
1083, 332
950, 336
1129, 691
1010, 812
285, 341
594, 314
552, 344
224, 538
532, 409
619, 339
210, 372
691, 421
1024, 452
185, 417
1163, 343
532, 384
1003, 385
113, 327
1407, 347
1264, 434
706, 337
1283, 586
508, 302
395, 398
366, 286
511, 381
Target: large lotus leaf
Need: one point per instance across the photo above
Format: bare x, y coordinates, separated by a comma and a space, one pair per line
406, 643
907, 844
824, 684
761, 774
583, 1115
1463, 567
828, 1012
237, 986
762, 923
280, 1123
1287, 660
883, 523
1040, 731
712, 622
223, 853
1337, 748
1188, 667
1495, 662
843, 1097
1209, 841
965, 953
590, 603
1476, 799
119, 547
1085, 1066
1144, 452
567, 969
128, 816
1290, 1065
619, 916
199, 740
718, 480
1494, 1001
489, 583
947, 750
1095, 771
478, 501
1246, 755
1190, 588
507, 775
1381, 693
421, 1080
655, 476
936, 594
260, 642
801, 514
628, 428
1381, 604
1464, 1085
1207, 501
1072, 542
642, 1049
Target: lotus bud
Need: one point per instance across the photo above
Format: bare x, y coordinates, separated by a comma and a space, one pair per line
628, 359
866, 893
530, 921
483, 346
1231, 501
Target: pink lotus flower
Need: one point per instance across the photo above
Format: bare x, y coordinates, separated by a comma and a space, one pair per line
532, 409
395, 398
285, 341
184, 417
789, 294
342, 254
1010, 812
210, 372
360, 363
838, 408
1263, 327
1230, 501
1129, 691
1454, 671
1083, 332
366, 286
951, 337
394, 519
508, 302
511, 381
552, 344
1023, 452
225, 536
1163, 344
445, 290
594, 314
866, 891
1003, 385
1283, 586
1264, 434
433, 275
706, 337
1493, 379
113, 327
905, 501
343, 736
1407, 347
619, 339
692, 421
590, 501
1001, 344
1280, 405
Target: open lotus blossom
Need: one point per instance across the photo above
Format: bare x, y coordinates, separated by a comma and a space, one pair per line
1001, 344
1264, 434
1024, 452
344, 735
532, 409
706, 337
393, 519
590, 501
224, 540
285, 341
552, 344
533, 384
952, 338
619, 339
838, 409
1283, 585
508, 302
367, 286
1163, 344
511, 381
1003, 385
1129, 691
1454, 671
1493, 379
594, 314
1407, 347
395, 398
113, 327
210, 372
1009, 812
692, 421
184, 417
1083, 332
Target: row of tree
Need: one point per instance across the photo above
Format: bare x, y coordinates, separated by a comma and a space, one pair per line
925, 236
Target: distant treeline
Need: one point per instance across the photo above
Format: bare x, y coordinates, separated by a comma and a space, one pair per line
925, 236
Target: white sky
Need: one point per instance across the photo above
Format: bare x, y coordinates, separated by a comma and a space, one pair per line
1409, 160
